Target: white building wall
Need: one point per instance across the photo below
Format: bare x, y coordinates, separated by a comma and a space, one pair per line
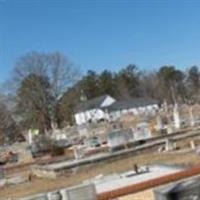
90, 115
124, 111
134, 111
83, 117
78, 119
97, 114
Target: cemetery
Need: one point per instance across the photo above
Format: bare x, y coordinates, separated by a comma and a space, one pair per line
71, 150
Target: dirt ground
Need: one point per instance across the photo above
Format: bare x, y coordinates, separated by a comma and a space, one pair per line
120, 165
144, 195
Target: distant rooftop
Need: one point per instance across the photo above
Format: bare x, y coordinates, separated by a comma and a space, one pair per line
91, 104
117, 105
131, 103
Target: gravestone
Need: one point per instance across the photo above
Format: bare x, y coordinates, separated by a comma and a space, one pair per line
82, 192
187, 190
36, 197
192, 120
159, 126
177, 121
192, 145
169, 145
56, 196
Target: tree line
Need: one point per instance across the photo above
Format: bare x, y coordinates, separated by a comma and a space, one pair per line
48, 86
167, 84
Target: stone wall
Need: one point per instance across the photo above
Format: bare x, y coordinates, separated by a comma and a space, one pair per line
81, 192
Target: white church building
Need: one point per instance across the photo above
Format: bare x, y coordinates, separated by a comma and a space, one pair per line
107, 108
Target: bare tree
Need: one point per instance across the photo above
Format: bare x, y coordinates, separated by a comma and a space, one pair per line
149, 85
60, 71
55, 68
8, 128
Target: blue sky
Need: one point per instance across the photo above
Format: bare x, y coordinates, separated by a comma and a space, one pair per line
102, 34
